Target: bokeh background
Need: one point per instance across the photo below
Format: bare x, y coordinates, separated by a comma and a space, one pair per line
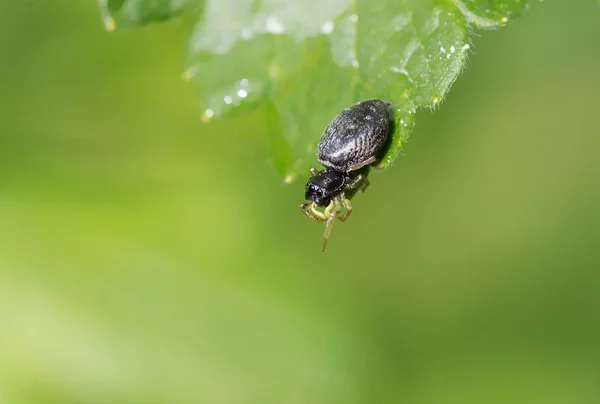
147, 257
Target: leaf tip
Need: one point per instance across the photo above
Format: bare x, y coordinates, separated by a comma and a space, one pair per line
188, 74
289, 178
109, 23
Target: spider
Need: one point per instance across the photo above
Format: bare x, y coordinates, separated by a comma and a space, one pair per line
351, 141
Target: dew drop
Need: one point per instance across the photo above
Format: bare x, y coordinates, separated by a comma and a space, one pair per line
327, 28
242, 93
208, 114
228, 99
274, 26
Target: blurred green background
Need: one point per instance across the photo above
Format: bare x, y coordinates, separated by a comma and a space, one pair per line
146, 257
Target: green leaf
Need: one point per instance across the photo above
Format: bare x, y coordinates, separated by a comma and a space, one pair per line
129, 13
307, 60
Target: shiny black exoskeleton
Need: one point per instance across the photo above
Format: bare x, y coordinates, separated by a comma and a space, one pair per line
352, 140
323, 186
355, 137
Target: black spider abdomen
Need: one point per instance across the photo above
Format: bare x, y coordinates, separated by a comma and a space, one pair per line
355, 137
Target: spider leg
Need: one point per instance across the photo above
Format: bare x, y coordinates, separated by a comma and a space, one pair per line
345, 202
310, 210
360, 180
333, 213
